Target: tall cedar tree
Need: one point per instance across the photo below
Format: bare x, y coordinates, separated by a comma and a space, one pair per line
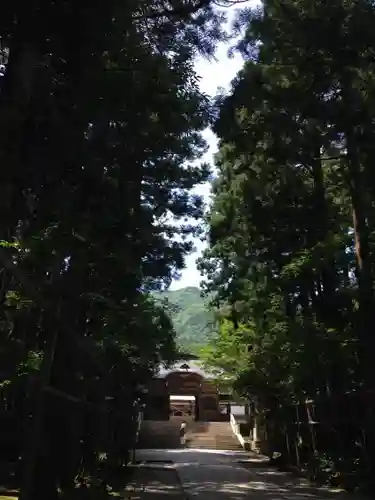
290, 228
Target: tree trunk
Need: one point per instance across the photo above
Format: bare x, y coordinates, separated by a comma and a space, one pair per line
328, 275
32, 454
363, 259
365, 290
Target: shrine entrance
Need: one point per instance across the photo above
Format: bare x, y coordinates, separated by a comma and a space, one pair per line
183, 406
183, 392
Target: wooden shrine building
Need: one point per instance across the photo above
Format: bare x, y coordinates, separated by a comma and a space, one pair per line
185, 390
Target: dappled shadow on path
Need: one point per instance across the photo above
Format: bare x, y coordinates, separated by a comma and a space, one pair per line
223, 482
214, 475
155, 484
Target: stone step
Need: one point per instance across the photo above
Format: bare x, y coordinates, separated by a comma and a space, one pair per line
205, 435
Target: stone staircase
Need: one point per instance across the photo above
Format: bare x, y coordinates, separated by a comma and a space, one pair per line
212, 436
165, 434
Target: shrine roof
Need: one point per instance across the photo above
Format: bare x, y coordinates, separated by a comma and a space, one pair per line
191, 366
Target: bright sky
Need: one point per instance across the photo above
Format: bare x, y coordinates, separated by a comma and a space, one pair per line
214, 75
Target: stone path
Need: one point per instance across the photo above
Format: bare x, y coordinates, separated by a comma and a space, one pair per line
155, 483
187, 474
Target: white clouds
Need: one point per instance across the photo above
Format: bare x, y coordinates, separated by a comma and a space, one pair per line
190, 275
218, 74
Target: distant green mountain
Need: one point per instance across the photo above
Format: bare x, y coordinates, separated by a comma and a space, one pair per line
193, 321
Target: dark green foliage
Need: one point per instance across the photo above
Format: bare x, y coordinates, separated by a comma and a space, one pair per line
100, 129
291, 231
